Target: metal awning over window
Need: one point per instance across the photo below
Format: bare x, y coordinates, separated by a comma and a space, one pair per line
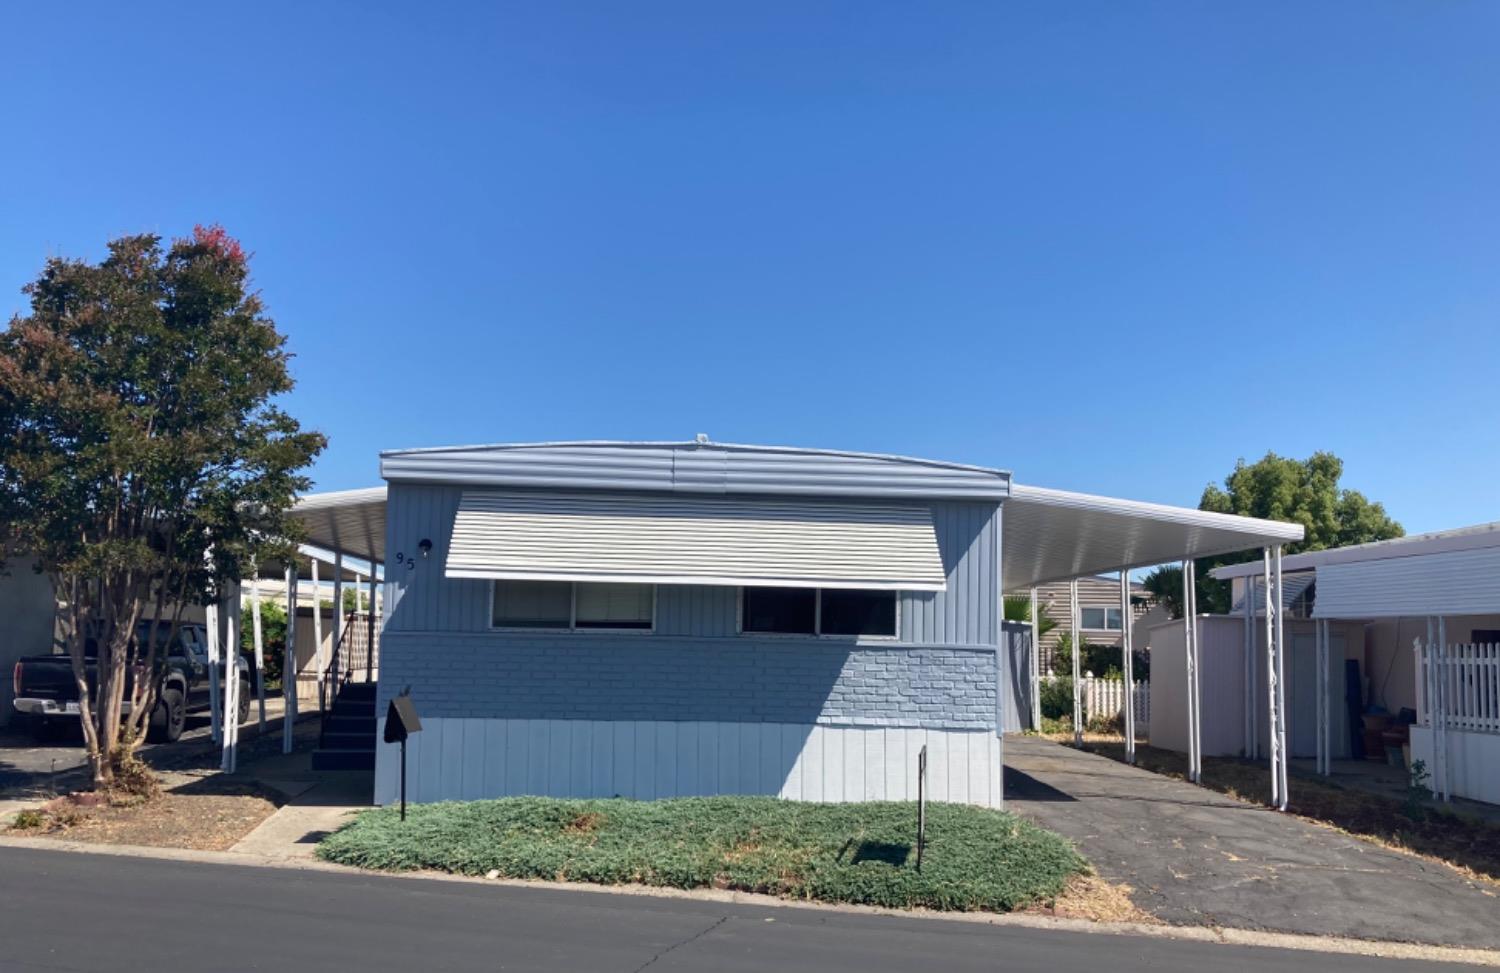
694, 540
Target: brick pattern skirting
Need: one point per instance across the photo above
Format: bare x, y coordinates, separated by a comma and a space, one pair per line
627, 677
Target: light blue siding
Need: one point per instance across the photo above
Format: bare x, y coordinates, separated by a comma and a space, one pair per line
421, 599
938, 674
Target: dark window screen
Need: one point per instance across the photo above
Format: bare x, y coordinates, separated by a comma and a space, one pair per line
782, 610
851, 612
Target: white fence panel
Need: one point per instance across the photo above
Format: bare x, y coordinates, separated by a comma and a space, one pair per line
1461, 682
1105, 697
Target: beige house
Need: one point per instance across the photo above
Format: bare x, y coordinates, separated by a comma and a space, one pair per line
1099, 611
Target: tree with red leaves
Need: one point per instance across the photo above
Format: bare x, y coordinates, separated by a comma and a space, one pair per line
144, 462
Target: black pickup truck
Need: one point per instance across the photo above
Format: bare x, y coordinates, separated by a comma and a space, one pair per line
46, 694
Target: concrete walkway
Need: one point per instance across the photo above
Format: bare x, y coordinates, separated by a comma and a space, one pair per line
1195, 856
319, 803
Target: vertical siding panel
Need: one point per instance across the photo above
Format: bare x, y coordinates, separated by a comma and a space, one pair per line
854, 763
601, 760
494, 757
559, 755
517, 774
708, 757
536, 756
665, 779
430, 764
473, 755
622, 740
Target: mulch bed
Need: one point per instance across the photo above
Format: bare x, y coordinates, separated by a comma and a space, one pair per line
205, 815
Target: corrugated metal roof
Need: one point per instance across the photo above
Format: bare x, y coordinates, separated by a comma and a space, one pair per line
694, 540
1437, 542
713, 468
1458, 582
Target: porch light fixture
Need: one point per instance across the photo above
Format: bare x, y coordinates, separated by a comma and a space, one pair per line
425, 546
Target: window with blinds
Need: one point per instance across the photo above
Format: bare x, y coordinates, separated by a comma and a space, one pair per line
567, 605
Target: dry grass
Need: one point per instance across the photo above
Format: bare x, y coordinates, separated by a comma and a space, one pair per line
1472, 847
1091, 897
205, 815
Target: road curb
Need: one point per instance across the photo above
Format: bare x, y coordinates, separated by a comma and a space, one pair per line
1202, 934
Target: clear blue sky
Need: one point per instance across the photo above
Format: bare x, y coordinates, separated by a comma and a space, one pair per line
1109, 246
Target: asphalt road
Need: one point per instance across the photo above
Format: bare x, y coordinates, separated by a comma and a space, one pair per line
69, 911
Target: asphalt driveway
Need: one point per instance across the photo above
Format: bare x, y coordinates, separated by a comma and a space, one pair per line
30, 768
1195, 856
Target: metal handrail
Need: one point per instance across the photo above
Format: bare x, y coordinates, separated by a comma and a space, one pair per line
342, 666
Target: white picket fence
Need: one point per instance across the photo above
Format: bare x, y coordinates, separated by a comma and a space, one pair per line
1105, 697
1465, 680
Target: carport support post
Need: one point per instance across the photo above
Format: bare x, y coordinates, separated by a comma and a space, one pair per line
1252, 740
370, 630
1440, 738
289, 659
1325, 722
318, 633
1127, 660
1036, 662
338, 612
260, 647
230, 756
1281, 713
1190, 644
211, 626
1271, 681
1074, 623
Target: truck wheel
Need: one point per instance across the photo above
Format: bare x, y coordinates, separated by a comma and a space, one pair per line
168, 719
244, 707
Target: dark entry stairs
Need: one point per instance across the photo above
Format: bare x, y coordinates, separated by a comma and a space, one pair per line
348, 740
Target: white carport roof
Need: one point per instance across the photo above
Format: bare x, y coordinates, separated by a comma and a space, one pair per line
1046, 535
351, 521
1054, 535
1451, 572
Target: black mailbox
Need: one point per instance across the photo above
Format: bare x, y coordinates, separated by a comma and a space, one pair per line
401, 720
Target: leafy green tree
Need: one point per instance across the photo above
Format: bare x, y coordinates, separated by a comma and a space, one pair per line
143, 460
1305, 492
272, 633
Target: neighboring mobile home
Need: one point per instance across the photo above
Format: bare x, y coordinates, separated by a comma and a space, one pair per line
658, 619
1418, 611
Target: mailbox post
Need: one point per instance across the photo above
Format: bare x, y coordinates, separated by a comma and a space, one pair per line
400, 722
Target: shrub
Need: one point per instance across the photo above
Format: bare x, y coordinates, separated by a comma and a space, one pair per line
1057, 697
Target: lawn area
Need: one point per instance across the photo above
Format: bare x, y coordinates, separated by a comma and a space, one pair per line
975, 859
1430, 831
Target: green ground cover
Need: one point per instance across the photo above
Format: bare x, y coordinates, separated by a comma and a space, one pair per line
860, 853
